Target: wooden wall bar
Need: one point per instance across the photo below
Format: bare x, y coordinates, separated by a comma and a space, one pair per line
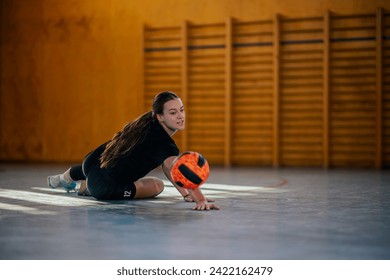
276, 91
326, 89
379, 88
252, 95
301, 92
228, 92
184, 75
353, 95
164, 64
310, 91
386, 90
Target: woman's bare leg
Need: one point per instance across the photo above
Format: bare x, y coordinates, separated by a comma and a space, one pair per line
148, 187
66, 175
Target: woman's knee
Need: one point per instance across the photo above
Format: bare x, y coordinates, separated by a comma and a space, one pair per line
159, 185
148, 187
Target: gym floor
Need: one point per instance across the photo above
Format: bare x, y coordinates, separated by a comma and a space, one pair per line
267, 213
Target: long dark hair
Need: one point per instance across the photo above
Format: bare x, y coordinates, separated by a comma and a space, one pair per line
133, 132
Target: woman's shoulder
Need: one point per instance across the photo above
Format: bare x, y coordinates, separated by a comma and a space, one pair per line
156, 130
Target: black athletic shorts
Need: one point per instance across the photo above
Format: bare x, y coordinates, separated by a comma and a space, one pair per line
100, 185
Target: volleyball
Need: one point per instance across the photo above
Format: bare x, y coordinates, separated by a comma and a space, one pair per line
190, 170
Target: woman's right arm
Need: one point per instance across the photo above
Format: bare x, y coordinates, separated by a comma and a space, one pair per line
166, 166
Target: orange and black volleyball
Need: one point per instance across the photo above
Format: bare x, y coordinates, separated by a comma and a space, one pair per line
190, 170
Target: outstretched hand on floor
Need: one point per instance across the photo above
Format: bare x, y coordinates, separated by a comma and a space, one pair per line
204, 205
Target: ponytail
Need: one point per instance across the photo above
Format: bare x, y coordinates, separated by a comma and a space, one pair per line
125, 140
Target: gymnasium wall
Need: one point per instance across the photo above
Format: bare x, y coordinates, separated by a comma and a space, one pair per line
272, 83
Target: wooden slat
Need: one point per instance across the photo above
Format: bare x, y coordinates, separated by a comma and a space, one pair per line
184, 78
276, 71
386, 91
379, 59
228, 91
145, 72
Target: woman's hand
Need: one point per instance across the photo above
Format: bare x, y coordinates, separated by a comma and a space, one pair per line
204, 205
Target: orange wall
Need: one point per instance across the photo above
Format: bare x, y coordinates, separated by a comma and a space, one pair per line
71, 71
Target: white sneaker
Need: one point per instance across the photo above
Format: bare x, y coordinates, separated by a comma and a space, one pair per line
56, 182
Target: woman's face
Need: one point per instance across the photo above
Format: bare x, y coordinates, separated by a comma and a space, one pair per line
173, 116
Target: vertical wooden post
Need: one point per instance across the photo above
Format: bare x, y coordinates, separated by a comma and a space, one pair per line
379, 85
142, 68
276, 87
325, 101
184, 77
228, 92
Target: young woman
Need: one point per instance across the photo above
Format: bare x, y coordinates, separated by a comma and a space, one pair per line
117, 168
